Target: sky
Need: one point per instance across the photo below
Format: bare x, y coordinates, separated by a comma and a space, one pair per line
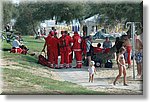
15, 1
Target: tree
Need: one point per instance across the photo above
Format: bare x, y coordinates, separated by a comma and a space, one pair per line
9, 12
30, 15
26, 23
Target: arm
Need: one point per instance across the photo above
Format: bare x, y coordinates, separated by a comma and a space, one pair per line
103, 44
140, 43
110, 44
118, 58
43, 50
95, 70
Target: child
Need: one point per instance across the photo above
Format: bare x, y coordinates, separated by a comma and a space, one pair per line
121, 65
91, 70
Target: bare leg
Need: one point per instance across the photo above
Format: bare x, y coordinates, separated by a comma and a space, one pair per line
139, 69
89, 60
89, 77
138, 72
92, 78
125, 79
119, 75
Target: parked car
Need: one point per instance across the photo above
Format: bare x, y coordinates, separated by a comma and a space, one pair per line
101, 35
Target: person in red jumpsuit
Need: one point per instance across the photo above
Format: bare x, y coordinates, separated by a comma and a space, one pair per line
77, 49
47, 39
62, 49
53, 45
68, 52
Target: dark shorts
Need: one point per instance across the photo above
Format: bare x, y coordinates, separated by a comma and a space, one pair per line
139, 57
88, 54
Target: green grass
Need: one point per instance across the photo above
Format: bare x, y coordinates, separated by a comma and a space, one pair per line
20, 78
23, 81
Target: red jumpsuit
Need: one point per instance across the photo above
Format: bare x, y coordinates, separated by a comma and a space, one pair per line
16, 50
77, 49
65, 50
62, 50
68, 58
53, 45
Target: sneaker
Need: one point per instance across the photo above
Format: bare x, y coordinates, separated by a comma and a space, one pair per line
75, 67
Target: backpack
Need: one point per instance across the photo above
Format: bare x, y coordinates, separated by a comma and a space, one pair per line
42, 60
108, 64
98, 64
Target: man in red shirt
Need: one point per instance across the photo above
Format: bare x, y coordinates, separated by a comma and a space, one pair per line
77, 49
98, 49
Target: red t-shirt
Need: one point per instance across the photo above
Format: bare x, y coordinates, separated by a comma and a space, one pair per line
97, 50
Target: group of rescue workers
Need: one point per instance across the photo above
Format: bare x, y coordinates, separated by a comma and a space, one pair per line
66, 45
63, 46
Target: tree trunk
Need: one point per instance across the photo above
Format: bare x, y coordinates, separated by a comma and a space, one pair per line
33, 28
31, 20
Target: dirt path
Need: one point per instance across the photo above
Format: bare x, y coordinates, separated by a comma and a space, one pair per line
103, 80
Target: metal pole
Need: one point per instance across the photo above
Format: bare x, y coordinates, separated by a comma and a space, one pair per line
133, 46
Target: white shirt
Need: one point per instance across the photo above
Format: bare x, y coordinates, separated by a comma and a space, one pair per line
91, 70
16, 43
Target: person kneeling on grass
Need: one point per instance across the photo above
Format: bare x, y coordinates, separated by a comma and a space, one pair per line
91, 70
121, 65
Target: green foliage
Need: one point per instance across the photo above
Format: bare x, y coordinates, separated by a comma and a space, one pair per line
9, 12
26, 23
30, 15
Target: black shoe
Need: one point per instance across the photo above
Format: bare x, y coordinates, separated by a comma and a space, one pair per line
114, 83
126, 84
58, 68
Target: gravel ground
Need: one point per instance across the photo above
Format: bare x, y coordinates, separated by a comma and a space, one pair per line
109, 75
103, 80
